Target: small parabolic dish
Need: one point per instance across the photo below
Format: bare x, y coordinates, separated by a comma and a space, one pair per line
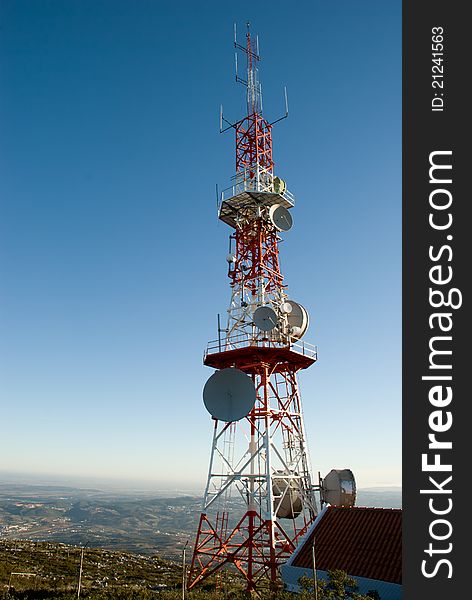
287, 501
339, 488
279, 185
229, 395
298, 320
265, 318
280, 218
286, 308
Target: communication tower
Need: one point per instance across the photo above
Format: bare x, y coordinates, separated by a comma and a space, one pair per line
260, 496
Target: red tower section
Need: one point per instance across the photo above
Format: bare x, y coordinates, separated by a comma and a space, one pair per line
253, 144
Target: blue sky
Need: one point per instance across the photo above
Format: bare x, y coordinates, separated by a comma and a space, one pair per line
112, 261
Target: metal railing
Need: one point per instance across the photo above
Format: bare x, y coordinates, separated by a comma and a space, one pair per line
235, 342
261, 181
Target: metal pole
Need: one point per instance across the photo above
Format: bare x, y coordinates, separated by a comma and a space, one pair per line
80, 570
315, 581
184, 571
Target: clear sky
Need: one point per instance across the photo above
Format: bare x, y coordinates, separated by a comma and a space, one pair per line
112, 260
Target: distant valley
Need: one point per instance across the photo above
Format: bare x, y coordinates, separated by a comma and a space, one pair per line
140, 522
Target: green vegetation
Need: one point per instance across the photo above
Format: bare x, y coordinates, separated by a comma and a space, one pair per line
47, 571
339, 587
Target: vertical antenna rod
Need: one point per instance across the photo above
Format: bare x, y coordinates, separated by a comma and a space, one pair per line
254, 88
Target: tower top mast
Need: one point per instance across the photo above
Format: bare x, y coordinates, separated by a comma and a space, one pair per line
252, 84
254, 186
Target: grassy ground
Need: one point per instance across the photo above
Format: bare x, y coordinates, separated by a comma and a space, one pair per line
54, 569
50, 571
44, 570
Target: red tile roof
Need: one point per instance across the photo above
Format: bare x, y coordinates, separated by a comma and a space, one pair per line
364, 542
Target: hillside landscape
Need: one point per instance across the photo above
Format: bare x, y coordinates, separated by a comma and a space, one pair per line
133, 541
143, 523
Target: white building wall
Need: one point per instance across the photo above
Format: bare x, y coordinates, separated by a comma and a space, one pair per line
387, 591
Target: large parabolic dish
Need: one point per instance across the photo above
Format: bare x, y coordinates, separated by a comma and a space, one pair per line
280, 217
287, 500
229, 395
297, 320
265, 318
339, 488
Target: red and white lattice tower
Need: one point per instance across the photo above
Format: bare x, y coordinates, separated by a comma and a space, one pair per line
259, 498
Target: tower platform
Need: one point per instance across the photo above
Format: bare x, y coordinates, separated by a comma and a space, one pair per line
229, 208
248, 354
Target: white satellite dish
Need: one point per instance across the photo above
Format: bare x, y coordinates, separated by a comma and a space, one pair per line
339, 488
298, 320
279, 185
280, 217
265, 318
229, 395
287, 500
286, 308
